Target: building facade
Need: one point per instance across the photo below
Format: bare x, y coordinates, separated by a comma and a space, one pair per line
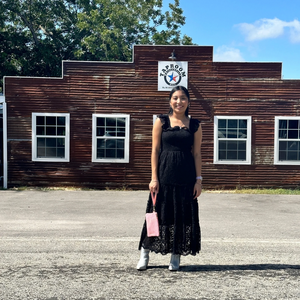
92, 127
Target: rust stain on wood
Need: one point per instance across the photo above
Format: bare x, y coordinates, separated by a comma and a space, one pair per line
216, 88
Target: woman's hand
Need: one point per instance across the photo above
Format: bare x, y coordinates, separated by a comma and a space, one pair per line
154, 186
197, 189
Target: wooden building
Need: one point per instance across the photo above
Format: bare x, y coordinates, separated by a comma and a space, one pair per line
92, 127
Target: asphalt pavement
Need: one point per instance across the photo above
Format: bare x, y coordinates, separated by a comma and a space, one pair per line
83, 245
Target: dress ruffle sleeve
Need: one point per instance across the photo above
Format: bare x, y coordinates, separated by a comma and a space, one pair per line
194, 125
165, 121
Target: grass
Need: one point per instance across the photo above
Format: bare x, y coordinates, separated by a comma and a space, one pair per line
270, 191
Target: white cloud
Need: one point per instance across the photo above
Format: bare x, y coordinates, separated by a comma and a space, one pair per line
270, 29
295, 32
225, 53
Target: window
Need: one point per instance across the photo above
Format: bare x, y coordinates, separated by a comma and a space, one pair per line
232, 140
50, 137
287, 141
110, 138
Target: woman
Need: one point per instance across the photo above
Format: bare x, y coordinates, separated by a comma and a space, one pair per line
176, 177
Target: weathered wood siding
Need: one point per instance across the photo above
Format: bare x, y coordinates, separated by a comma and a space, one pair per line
216, 88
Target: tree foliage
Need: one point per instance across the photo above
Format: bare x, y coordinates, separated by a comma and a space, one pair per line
36, 35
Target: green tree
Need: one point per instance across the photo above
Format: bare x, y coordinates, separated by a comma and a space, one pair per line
111, 28
36, 35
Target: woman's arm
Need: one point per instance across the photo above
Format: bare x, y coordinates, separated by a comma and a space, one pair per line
198, 161
156, 140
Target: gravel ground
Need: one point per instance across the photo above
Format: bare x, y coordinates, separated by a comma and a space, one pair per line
83, 245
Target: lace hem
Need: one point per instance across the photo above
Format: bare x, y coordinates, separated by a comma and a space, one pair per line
171, 241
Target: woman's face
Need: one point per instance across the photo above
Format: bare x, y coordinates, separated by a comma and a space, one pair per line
179, 102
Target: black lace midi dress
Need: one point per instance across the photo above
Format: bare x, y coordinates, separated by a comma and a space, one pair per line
177, 210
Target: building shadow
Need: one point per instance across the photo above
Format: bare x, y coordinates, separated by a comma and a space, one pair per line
247, 267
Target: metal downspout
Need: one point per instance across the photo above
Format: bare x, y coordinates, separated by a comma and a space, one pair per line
2, 100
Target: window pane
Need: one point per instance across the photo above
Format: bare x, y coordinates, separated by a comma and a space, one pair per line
283, 134
232, 155
101, 121
121, 122
41, 152
293, 124
121, 132
100, 131
50, 142
50, 131
283, 124
222, 145
110, 153
40, 130
243, 133
50, 120
50, 152
120, 153
61, 152
41, 142
242, 155
61, 121
111, 122
100, 153
110, 144
101, 144
282, 155
242, 145
61, 131
292, 155
120, 144
110, 131
222, 133
293, 134
232, 133
292, 146
221, 123
60, 142
222, 155
242, 124
40, 120
282, 145
232, 123
232, 145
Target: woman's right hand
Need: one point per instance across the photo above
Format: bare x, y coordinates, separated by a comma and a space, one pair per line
154, 186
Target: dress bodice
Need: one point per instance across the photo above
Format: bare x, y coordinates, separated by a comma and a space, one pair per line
176, 162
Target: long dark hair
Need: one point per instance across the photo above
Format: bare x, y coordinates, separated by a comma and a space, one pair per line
175, 89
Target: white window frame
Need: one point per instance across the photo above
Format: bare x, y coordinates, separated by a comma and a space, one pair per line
277, 140
248, 141
66, 137
126, 139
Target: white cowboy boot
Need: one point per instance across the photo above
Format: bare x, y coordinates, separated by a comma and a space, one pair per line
144, 259
174, 262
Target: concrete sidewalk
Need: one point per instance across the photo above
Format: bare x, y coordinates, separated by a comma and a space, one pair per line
83, 245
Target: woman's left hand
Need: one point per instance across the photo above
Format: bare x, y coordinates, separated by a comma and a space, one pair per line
197, 189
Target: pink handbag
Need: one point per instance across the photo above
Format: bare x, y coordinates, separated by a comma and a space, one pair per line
152, 220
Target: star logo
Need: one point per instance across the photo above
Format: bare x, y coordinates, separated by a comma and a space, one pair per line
172, 77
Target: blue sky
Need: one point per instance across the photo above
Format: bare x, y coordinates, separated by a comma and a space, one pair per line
250, 31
